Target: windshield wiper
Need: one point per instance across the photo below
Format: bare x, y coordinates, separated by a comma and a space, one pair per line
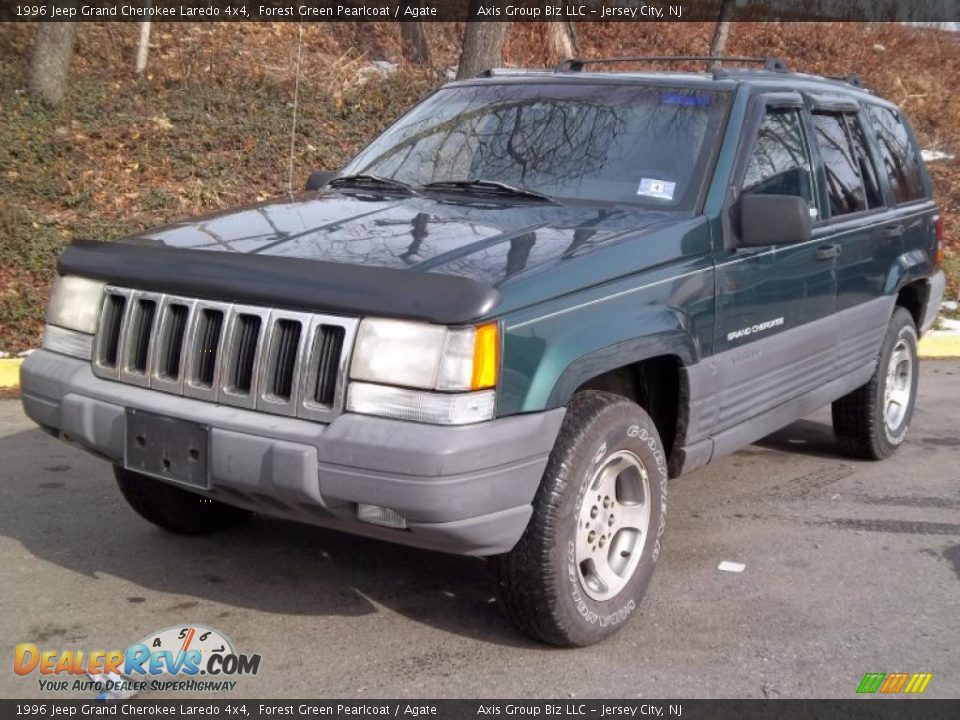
364, 180
489, 186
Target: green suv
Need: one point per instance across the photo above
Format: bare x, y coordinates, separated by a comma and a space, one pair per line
503, 325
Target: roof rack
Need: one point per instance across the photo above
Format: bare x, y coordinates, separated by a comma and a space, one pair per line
577, 64
850, 79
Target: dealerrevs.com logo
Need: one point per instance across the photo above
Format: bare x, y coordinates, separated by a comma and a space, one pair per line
180, 658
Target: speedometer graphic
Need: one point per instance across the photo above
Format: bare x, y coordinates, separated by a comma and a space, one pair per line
181, 639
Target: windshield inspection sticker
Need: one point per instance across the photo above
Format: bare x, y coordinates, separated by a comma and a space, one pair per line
661, 189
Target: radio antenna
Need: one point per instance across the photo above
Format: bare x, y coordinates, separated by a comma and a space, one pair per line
296, 107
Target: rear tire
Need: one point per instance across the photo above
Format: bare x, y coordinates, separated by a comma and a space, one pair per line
175, 510
587, 556
872, 421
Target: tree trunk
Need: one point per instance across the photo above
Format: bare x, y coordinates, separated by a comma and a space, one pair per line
482, 43
143, 47
50, 64
719, 44
562, 41
414, 42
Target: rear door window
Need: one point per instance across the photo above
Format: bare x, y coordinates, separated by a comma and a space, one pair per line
845, 188
861, 155
780, 162
898, 156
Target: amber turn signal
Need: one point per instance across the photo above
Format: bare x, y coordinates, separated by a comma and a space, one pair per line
486, 356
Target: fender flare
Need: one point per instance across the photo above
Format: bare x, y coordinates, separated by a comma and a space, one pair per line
675, 343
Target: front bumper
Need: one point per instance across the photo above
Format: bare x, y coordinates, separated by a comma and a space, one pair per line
465, 490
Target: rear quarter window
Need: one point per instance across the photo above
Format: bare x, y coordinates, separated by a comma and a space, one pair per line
898, 156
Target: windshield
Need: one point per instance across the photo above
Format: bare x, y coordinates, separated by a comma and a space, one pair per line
603, 142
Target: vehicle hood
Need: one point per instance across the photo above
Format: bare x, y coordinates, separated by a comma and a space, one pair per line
492, 242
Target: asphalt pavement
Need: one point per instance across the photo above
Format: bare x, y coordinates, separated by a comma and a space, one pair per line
850, 567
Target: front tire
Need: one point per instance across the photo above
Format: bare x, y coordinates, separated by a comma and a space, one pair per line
588, 554
175, 510
872, 421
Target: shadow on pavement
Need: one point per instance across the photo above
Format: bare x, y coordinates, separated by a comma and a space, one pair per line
806, 437
64, 507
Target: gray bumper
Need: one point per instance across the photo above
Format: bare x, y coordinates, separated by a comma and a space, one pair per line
464, 490
937, 283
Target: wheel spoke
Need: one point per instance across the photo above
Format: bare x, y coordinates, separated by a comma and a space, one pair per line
633, 516
606, 575
607, 482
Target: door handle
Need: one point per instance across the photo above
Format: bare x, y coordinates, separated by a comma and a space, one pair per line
891, 231
826, 252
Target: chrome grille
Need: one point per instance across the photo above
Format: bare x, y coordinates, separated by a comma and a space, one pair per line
278, 361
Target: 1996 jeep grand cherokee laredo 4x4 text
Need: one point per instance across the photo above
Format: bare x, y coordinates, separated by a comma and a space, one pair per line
509, 319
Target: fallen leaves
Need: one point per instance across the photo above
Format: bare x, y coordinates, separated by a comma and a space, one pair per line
208, 125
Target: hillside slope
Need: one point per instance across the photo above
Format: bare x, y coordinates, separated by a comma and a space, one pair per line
209, 126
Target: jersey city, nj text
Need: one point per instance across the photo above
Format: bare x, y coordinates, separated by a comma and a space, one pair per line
603, 13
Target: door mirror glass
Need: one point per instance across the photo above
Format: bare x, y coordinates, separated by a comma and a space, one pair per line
773, 220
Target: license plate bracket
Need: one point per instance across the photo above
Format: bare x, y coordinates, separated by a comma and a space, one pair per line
167, 448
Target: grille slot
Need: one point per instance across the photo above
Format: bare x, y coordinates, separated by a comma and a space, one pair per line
326, 354
271, 360
284, 361
248, 335
171, 344
110, 326
208, 345
141, 335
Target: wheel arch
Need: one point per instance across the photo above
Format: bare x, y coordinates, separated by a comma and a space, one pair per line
653, 379
909, 281
913, 297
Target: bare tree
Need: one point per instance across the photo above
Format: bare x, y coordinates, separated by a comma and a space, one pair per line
414, 42
50, 64
143, 47
562, 40
482, 42
719, 43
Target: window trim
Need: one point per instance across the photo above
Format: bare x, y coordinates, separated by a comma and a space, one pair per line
831, 103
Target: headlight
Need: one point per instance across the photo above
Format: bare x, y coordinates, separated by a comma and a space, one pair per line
75, 303
404, 364
430, 357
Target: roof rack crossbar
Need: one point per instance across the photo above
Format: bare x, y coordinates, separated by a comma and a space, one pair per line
850, 79
578, 64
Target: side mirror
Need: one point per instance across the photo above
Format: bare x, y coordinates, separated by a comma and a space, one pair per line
319, 179
773, 220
